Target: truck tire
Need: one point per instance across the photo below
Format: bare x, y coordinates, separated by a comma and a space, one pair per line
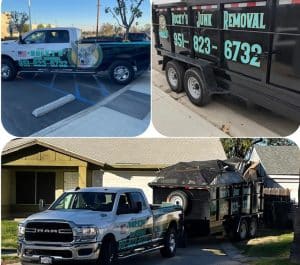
108, 252
8, 70
195, 87
242, 233
121, 72
174, 74
252, 230
179, 197
170, 241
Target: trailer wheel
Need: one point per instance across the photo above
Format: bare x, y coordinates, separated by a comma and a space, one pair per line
121, 72
174, 74
179, 197
169, 249
108, 252
243, 230
8, 70
252, 231
195, 87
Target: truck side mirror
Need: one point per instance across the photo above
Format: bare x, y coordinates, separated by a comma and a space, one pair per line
41, 205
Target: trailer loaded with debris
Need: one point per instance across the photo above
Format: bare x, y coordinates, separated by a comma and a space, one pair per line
247, 48
216, 196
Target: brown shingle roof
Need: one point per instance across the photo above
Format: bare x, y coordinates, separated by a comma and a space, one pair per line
124, 151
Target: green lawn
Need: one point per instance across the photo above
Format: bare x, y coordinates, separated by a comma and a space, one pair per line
271, 247
9, 234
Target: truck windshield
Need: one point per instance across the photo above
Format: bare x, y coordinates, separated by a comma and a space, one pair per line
95, 201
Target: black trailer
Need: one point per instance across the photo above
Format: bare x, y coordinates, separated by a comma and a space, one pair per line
216, 197
247, 48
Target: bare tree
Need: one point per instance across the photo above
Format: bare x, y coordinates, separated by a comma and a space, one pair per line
18, 20
295, 254
125, 13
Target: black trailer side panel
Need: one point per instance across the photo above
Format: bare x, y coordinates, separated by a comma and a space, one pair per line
285, 68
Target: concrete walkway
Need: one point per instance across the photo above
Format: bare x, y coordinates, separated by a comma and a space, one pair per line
125, 113
171, 118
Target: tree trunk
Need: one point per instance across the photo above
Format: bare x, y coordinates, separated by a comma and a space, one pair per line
295, 249
126, 34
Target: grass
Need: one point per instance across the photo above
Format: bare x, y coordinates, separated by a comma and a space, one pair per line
9, 259
9, 234
271, 247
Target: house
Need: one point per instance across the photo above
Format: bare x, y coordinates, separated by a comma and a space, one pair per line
34, 169
280, 165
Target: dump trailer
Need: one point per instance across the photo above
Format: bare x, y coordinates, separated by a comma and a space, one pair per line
247, 48
215, 196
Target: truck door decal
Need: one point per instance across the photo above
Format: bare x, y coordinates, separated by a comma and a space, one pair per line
86, 55
44, 58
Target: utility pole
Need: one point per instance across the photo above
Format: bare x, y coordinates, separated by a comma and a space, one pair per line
98, 13
29, 8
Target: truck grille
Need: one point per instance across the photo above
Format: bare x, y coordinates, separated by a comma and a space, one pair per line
48, 232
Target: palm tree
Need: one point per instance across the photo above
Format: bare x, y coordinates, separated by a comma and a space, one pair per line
295, 253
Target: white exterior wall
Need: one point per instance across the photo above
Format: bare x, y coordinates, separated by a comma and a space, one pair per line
290, 182
132, 179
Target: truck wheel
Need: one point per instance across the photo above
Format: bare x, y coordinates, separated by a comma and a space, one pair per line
174, 74
243, 230
179, 197
252, 231
8, 70
108, 252
195, 87
121, 72
169, 249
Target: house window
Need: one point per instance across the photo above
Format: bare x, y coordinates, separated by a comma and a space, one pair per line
71, 180
32, 186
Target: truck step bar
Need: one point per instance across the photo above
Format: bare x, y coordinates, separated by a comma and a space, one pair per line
140, 252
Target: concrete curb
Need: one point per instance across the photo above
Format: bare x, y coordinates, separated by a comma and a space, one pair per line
53, 105
235, 254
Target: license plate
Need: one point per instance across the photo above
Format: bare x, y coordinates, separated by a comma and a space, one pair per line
46, 260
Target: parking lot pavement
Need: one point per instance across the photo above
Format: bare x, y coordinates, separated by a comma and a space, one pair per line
31, 91
226, 113
125, 113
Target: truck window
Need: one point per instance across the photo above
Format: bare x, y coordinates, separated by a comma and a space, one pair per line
58, 36
95, 201
36, 37
138, 197
124, 205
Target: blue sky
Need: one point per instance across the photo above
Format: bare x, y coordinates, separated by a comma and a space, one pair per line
77, 13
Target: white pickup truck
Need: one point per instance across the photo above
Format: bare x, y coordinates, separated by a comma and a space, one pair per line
99, 225
62, 50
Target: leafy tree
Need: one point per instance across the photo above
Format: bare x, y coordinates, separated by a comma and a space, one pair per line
107, 29
236, 147
125, 13
40, 26
18, 20
48, 26
26, 28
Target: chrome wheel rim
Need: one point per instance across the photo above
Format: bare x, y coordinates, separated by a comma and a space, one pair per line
121, 73
194, 87
177, 200
5, 71
172, 76
172, 242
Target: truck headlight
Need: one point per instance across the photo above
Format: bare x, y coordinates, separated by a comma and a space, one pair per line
21, 230
87, 232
